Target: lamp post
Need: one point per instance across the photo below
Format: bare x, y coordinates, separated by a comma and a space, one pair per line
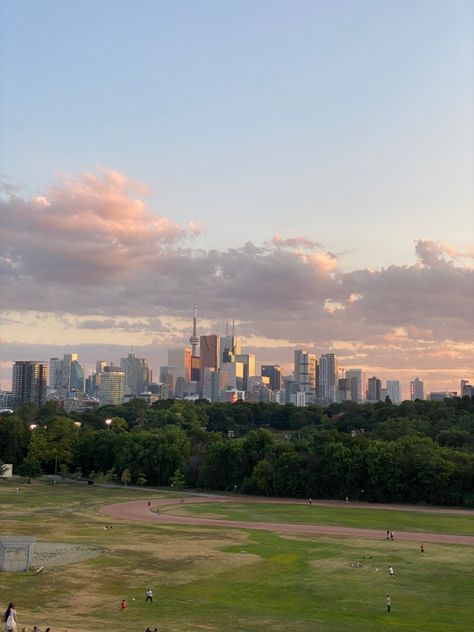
108, 422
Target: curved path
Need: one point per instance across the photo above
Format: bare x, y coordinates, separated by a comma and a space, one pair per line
138, 510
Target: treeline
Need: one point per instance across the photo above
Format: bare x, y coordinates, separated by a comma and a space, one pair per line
416, 452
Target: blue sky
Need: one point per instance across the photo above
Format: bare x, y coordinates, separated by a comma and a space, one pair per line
343, 128
340, 121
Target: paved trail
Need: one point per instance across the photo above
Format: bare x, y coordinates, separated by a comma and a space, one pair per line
138, 510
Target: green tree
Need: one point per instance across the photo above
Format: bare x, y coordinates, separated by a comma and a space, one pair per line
30, 468
177, 480
126, 477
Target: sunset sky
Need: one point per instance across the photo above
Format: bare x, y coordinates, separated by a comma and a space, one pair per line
305, 168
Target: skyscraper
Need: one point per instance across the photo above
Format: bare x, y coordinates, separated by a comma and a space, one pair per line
67, 374
137, 374
179, 365
248, 360
209, 347
194, 342
356, 381
305, 373
374, 389
29, 382
111, 386
394, 391
274, 372
417, 390
328, 376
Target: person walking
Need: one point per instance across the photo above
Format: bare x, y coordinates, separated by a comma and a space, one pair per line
391, 536
388, 534
388, 602
123, 606
422, 548
10, 618
149, 595
390, 570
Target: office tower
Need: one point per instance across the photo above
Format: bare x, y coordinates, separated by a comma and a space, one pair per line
288, 389
305, 372
209, 347
344, 392
374, 389
356, 380
328, 375
137, 374
394, 391
248, 360
233, 373
230, 345
213, 384
416, 389
29, 382
76, 376
274, 373
55, 367
179, 364
466, 390
111, 386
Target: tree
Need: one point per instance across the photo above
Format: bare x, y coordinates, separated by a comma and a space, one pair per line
30, 468
177, 480
126, 478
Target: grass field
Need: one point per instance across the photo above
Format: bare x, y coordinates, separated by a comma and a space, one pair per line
209, 579
349, 516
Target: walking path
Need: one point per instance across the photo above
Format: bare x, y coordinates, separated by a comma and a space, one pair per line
138, 510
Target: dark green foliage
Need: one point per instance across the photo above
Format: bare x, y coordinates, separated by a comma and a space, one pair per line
416, 452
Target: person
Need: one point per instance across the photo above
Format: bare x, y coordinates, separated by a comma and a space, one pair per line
390, 570
10, 618
149, 504
388, 602
391, 535
310, 501
422, 548
149, 595
388, 534
123, 606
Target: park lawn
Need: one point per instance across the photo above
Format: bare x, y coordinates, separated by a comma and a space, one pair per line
350, 516
214, 579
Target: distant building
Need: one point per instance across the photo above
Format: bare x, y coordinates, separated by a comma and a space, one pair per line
344, 392
274, 373
111, 386
66, 374
209, 354
29, 382
137, 374
248, 361
305, 373
328, 376
179, 366
466, 390
438, 396
356, 379
394, 391
374, 389
417, 390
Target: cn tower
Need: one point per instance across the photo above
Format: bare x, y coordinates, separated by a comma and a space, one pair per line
194, 340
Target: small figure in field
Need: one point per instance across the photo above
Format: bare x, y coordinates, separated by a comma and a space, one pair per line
388, 602
147, 629
149, 595
123, 606
388, 534
149, 504
347, 499
422, 548
390, 570
310, 501
10, 618
391, 536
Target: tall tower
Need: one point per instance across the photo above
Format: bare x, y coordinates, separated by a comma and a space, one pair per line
194, 340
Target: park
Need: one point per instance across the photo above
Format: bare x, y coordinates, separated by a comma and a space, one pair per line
232, 562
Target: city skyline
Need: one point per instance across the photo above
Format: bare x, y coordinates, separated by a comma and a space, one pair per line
305, 170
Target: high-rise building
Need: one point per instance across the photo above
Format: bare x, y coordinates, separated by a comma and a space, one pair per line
356, 381
55, 368
305, 373
328, 376
275, 373
179, 365
66, 375
394, 391
374, 389
230, 346
417, 390
466, 390
137, 374
344, 391
248, 360
209, 352
111, 386
29, 382
233, 373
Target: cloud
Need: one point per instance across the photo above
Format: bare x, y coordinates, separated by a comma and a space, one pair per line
92, 250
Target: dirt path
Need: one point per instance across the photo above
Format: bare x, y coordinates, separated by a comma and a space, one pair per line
138, 510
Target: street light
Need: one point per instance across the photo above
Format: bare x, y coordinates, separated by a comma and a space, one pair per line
108, 422
33, 426
77, 424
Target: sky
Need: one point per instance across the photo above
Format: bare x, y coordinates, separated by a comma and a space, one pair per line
305, 168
